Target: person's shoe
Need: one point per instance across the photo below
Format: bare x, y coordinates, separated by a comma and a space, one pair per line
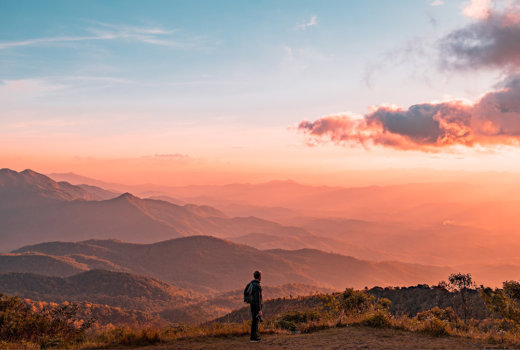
255, 340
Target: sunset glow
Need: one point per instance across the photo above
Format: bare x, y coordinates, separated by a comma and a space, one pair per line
242, 102
303, 174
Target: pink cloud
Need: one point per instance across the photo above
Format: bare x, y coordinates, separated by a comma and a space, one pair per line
477, 9
430, 127
492, 41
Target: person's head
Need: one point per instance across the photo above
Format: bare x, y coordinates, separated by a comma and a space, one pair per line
257, 275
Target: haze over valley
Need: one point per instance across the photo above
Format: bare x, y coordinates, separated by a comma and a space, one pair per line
358, 159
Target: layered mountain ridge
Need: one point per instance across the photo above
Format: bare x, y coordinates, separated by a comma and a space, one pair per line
207, 264
35, 208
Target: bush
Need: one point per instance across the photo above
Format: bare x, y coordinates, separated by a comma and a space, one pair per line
447, 314
52, 327
504, 302
289, 320
300, 316
435, 327
124, 336
287, 325
377, 319
353, 302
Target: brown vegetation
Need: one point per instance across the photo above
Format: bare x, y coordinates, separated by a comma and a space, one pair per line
300, 315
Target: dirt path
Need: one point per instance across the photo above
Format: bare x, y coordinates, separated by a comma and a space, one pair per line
339, 338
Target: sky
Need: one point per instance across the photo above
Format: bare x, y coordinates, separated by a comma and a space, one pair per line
185, 92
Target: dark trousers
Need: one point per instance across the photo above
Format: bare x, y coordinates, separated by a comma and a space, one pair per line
254, 324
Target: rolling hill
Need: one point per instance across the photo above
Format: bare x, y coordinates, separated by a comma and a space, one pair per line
225, 303
116, 289
109, 296
209, 265
34, 262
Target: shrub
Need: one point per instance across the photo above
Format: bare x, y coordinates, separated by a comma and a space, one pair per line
447, 314
288, 325
125, 336
289, 320
353, 302
377, 319
504, 302
435, 327
300, 316
58, 326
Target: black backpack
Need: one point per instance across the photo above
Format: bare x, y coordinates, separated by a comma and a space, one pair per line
248, 293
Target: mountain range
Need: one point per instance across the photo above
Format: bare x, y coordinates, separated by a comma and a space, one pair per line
486, 200
207, 264
35, 208
181, 255
463, 219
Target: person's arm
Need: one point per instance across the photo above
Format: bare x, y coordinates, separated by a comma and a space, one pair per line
260, 297
256, 296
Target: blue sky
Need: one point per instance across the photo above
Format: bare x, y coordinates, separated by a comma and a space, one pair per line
205, 77
234, 55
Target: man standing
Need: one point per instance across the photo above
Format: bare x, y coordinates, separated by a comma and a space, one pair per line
256, 305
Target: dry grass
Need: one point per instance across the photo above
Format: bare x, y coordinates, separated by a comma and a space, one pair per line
349, 320
350, 337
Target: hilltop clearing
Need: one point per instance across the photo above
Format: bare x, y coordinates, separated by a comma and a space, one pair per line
335, 338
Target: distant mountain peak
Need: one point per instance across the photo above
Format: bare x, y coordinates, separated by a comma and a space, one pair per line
127, 196
30, 172
27, 176
29, 188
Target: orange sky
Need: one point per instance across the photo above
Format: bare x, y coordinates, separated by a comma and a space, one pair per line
322, 101
325, 165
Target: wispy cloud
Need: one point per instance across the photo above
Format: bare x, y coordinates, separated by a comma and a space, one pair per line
27, 86
105, 31
413, 54
40, 41
437, 3
311, 22
80, 78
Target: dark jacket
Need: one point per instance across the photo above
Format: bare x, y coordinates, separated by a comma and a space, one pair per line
256, 303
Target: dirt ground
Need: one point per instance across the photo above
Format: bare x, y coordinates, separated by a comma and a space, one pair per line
339, 338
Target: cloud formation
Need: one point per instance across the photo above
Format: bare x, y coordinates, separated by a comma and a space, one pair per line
492, 41
429, 127
477, 9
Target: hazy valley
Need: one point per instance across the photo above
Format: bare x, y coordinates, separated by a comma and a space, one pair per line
183, 255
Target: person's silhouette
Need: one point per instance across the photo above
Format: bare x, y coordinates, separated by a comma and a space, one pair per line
256, 305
